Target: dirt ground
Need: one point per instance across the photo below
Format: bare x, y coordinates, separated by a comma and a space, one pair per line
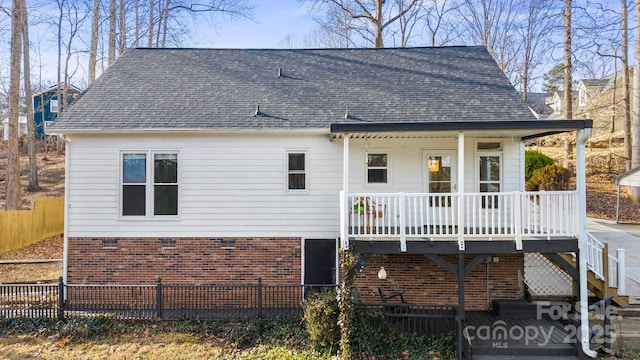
50, 176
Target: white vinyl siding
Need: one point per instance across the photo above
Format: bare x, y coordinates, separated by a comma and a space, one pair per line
229, 186
235, 185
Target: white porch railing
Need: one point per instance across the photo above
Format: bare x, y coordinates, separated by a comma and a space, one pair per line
616, 265
452, 216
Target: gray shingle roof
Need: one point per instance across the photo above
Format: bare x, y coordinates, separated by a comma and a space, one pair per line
221, 88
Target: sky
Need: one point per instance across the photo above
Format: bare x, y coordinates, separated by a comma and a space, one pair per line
274, 22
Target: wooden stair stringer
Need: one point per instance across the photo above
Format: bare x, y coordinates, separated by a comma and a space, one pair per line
594, 284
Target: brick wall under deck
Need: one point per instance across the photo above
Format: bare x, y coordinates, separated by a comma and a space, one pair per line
422, 281
192, 260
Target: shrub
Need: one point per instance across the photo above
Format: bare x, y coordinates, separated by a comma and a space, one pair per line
321, 319
534, 160
551, 177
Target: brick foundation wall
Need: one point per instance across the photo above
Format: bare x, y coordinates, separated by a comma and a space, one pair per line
184, 260
422, 281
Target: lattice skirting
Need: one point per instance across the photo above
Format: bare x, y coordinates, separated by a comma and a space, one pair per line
544, 278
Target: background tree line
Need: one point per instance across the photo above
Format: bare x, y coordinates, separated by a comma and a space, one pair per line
527, 38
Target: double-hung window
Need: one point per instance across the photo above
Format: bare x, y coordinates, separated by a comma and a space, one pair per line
296, 171
53, 105
377, 168
149, 183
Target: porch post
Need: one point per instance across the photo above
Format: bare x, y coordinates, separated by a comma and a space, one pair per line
581, 187
460, 182
344, 194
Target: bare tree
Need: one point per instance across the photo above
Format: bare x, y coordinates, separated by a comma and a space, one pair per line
635, 125
374, 14
31, 126
493, 24
165, 18
336, 30
568, 98
122, 44
151, 24
435, 20
534, 42
112, 32
93, 52
408, 21
625, 85
13, 191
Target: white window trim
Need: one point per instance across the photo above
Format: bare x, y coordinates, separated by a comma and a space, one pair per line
149, 183
306, 171
498, 153
51, 110
365, 156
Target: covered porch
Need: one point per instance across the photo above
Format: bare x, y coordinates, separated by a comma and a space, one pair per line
479, 209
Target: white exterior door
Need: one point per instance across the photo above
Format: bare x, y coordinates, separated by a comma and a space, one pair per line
439, 169
440, 174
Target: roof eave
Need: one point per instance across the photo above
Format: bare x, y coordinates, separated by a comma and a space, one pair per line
545, 127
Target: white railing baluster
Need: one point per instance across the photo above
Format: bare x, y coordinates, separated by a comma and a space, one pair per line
416, 216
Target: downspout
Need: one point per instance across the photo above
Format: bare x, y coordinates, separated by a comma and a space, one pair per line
67, 205
581, 138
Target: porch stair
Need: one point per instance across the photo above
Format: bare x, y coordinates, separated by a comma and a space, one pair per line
599, 287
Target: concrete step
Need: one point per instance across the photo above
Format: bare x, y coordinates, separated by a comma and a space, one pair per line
521, 351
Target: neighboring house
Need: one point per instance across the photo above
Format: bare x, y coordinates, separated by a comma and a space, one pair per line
22, 127
588, 89
537, 103
600, 100
46, 105
556, 103
224, 166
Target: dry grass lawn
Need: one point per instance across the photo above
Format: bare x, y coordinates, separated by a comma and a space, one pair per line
157, 346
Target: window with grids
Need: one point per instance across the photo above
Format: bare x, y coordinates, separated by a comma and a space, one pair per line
53, 105
490, 172
296, 171
149, 188
377, 168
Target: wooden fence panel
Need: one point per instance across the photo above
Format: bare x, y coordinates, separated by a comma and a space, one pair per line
21, 228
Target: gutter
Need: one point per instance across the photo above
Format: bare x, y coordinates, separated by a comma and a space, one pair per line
204, 131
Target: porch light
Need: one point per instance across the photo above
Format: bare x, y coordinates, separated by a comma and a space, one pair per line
434, 165
382, 273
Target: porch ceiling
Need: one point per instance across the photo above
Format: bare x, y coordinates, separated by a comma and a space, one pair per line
509, 129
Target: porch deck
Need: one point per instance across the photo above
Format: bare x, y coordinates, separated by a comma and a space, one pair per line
491, 337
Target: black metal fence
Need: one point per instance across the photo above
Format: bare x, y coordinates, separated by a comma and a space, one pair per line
203, 302
412, 318
159, 301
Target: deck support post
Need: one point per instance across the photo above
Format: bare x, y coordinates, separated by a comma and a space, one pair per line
461, 348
